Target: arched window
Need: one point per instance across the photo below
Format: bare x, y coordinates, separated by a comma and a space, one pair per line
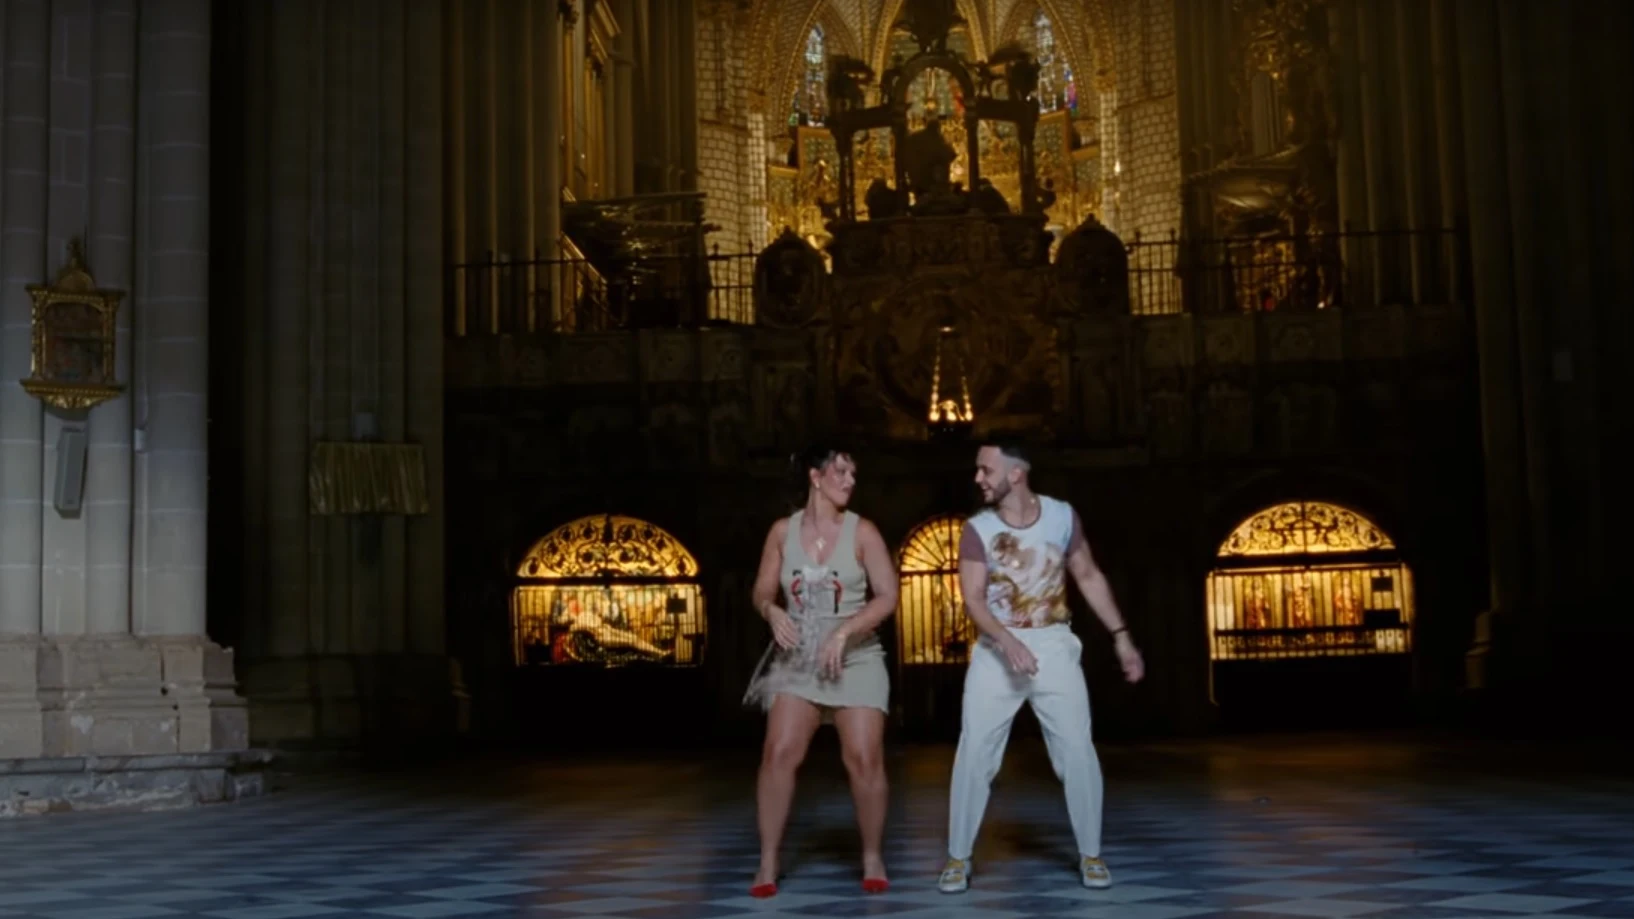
811, 95
1056, 87
608, 591
931, 625
1308, 579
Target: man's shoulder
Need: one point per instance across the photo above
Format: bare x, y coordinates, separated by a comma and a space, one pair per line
984, 517
1056, 504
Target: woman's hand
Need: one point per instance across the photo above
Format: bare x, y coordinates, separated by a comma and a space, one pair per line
831, 659
785, 631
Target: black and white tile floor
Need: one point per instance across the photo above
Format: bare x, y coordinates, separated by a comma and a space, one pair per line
1314, 827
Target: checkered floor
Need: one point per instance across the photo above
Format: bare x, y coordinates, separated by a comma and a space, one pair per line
1246, 830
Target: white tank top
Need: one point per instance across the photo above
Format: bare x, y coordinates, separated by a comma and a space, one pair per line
1026, 566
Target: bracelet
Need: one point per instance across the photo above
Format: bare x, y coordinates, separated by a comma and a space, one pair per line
1120, 630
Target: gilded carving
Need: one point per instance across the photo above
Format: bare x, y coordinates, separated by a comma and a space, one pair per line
73, 361
1008, 353
367, 478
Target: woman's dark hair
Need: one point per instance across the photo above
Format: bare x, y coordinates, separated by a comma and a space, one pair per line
817, 456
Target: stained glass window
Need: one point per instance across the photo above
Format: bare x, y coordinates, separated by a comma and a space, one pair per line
1056, 87
931, 625
811, 95
608, 591
1308, 579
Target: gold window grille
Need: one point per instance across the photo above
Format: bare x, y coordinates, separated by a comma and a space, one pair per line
608, 591
1308, 579
931, 625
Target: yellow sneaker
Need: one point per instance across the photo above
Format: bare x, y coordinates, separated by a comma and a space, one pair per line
1093, 872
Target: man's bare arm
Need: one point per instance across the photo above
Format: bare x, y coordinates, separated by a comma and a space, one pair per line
973, 584
1091, 581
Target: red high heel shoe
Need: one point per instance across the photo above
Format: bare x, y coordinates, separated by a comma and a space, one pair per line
763, 891
875, 885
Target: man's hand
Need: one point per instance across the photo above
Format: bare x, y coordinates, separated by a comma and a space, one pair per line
785, 631
1129, 656
1021, 659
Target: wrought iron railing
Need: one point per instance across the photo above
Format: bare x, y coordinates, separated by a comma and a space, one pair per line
502, 296
1294, 273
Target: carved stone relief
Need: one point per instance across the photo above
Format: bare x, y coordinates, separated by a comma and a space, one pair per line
1227, 420
790, 282
1295, 338
1169, 424
1092, 270
1228, 340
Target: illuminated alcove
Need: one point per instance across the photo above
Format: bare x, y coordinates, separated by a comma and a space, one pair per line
931, 625
607, 591
1308, 579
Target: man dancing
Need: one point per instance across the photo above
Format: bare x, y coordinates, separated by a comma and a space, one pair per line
1014, 556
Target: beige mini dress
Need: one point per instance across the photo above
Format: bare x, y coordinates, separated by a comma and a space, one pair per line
820, 598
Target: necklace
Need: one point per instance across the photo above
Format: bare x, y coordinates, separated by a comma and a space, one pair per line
818, 541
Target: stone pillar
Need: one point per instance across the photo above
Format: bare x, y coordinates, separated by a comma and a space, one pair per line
548, 112
623, 95
1491, 254
24, 172
1449, 146
662, 61
344, 304
27, 92
109, 460
685, 78
173, 329
103, 649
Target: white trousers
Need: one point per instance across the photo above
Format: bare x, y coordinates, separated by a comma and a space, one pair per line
1060, 700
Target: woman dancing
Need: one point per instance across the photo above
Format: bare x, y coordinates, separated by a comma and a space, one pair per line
825, 662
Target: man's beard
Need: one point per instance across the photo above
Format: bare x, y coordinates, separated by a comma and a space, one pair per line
997, 492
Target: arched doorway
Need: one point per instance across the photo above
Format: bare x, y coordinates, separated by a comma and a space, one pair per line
608, 591
1310, 615
932, 631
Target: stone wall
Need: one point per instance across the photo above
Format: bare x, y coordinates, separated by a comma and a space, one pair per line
1140, 123
731, 145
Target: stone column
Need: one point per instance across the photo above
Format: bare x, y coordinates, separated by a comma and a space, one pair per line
109, 460
1352, 170
344, 297
623, 95
662, 62
548, 112
1503, 442
685, 80
25, 40
173, 329
106, 606
1449, 146
171, 325
26, 94
63, 536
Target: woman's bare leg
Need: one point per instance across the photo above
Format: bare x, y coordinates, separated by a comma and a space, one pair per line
862, 746
789, 727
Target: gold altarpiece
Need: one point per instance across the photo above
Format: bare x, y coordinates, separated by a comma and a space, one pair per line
606, 591
931, 274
